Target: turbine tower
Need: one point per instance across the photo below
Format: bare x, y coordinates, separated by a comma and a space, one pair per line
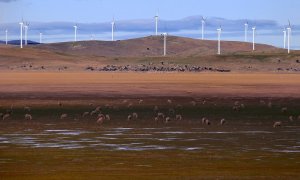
203, 24
253, 38
246, 31
284, 38
165, 43
156, 24
75, 33
6, 32
289, 30
21, 34
41, 34
219, 30
113, 29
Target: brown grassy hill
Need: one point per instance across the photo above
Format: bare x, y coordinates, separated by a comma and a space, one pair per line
152, 46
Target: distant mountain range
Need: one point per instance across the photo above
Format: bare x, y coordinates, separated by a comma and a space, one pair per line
17, 42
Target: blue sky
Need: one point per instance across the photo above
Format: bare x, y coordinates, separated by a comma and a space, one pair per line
135, 18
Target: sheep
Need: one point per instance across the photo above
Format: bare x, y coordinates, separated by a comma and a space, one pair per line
277, 124
129, 106
291, 118
134, 115
203, 120
270, 105
193, 103
156, 119
107, 117
129, 117
242, 106
178, 117
6, 116
101, 115
59, 104
141, 101
27, 108
63, 116
167, 120
100, 120
161, 115
85, 114
169, 101
236, 103
28, 117
93, 113
222, 122
98, 109
284, 109
207, 122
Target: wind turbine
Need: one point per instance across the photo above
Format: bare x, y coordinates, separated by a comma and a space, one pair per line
156, 24
75, 33
165, 43
284, 38
253, 38
246, 31
203, 21
289, 30
21, 34
6, 32
41, 34
219, 30
113, 29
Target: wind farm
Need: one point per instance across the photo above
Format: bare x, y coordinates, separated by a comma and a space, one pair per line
135, 97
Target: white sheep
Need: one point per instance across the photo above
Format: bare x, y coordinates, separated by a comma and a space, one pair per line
28, 117
167, 120
100, 120
129, 117
284, 109
291, 118
64, 116
85, 114
277, 124
27, 108
134, 115
6, 116
178, 117
107, 117
222, 122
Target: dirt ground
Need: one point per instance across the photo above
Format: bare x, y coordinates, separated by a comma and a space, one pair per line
90, 85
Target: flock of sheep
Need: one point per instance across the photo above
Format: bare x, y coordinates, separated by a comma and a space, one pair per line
159, 116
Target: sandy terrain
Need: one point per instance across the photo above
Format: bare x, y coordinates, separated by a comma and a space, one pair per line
39, 85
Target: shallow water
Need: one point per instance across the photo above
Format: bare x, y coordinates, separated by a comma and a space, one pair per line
219, 138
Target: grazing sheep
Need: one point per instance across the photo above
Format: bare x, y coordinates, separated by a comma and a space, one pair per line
107, 117
155, 109
178, 117
156, 119
100, 121
64, 116
207, 122
28, 117
169, 101
124, 101
222, 122
242, 106
193, 103
277, 124
94, 113
236, 103
167, 120
134, 115
98, 109
129, 106
270, 105
203, 102
101, 115
59, 104
161, 115
141, 101
85, 114
203, 120
129, 117
291, 118
6, 116
27, 108
284, 109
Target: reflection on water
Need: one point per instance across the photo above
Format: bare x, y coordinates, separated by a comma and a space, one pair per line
237, 139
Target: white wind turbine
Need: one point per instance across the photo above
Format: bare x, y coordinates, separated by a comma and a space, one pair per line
165, 43
113, 29
253, 37
284, 38
75, 33
21, 34
203, 21
156, 24
6, 33
219, 30
289, 31
246, 31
